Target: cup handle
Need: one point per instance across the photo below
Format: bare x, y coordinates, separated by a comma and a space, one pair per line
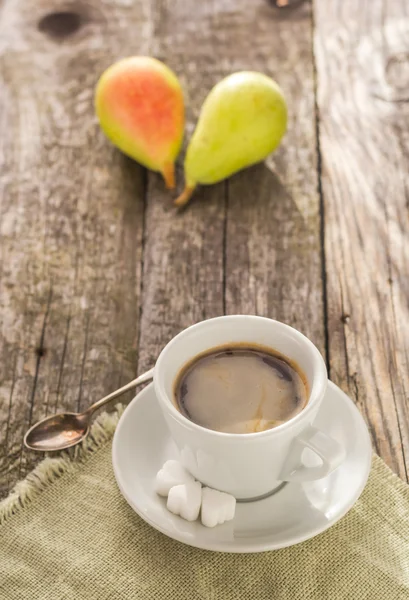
329, 451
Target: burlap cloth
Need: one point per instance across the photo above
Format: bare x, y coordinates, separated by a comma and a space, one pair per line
67, 533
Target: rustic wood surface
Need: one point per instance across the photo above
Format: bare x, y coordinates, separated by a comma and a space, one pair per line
362, 58
97, 269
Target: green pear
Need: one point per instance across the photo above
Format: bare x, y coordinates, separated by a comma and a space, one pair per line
242, 121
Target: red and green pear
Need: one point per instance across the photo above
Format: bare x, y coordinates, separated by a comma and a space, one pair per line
139, 104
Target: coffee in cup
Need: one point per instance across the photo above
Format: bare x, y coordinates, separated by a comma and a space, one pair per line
240, 388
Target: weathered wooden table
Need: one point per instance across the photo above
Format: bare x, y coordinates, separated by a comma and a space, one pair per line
98, 270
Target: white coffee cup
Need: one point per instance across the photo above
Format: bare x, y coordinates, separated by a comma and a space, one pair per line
252, 464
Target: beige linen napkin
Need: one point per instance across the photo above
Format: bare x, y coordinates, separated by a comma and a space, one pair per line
67, 533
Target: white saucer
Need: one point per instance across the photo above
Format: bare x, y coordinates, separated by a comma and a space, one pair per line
296, 513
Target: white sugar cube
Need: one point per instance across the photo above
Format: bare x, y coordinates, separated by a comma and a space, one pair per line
217, 507
185, 500
172, 473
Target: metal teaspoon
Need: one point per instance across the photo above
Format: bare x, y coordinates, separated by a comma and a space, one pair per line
67, 429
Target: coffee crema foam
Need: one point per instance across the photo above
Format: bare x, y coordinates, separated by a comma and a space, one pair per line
240, 389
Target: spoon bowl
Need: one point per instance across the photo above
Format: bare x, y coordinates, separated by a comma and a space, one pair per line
57, 432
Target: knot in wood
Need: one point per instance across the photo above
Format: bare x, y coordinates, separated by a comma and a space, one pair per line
60, 25
397, 71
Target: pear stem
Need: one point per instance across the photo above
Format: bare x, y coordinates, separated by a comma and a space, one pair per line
185, 195
169, 175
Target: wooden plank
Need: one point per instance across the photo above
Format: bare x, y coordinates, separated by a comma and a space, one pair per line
362, 66
183, 252
71, 217
273, 259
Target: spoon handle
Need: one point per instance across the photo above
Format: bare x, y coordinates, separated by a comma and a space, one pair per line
135, 382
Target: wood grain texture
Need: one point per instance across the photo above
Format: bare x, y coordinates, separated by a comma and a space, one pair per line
362, 57
273, 252
71, 218
251, 244
183, 257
